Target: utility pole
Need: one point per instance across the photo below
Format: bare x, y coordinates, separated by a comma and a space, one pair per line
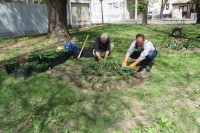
136, 8
102, 10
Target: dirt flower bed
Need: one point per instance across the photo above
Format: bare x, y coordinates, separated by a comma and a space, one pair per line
107, 75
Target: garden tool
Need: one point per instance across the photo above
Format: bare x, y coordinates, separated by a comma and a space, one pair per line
83, 47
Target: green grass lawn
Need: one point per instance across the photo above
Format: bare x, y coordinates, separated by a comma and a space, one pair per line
51, 102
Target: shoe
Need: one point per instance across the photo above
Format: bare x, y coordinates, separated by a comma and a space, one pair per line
149, 66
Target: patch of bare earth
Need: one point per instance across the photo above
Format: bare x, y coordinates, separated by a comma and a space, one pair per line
138, 118
190, 100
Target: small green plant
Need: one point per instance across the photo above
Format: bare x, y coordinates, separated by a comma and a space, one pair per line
34, 56
22, 71
31, 64
40, 67
179, 44
162, 125
10, 65
104, 71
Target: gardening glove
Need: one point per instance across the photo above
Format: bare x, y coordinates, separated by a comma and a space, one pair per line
133, 65
123, 64
100, 58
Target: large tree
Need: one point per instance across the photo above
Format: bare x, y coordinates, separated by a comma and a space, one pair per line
198, 11
57, 15
143, 6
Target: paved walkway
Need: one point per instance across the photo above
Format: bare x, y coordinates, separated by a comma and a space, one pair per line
166, 21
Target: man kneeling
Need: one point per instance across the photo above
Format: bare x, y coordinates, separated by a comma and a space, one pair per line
102, 44
145, 53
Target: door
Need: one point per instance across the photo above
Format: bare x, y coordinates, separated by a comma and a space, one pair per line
80, 13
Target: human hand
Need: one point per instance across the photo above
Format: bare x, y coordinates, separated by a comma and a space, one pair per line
133, 65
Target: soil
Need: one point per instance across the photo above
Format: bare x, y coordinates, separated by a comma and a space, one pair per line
70, 74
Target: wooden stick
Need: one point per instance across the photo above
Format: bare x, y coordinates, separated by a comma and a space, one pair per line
83, 47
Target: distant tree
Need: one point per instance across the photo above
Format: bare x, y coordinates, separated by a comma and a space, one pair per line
198, 11
144, 11
163, 3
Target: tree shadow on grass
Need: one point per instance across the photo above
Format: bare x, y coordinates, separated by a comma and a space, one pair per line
45, 105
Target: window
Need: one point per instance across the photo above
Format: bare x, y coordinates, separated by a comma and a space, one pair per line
112, 6
167, 6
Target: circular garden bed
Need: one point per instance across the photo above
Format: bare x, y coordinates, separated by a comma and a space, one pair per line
107, 75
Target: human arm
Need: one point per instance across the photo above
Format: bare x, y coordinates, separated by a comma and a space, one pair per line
107, 53
129, 52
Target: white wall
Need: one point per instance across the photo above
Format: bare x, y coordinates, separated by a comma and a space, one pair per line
154, 6
176, 13
111, 12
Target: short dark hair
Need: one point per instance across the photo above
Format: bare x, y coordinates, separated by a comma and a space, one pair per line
140, 35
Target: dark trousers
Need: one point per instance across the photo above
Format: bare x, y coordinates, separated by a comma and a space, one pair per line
149, 58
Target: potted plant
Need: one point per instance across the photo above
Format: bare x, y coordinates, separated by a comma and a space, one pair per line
21, 72
10, 65
39, 68
64, 55
30, 65
52, 60
35, 56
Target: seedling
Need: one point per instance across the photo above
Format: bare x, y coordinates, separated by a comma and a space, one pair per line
104, 71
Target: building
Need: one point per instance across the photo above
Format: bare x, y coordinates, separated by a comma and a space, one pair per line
179, 9
184, 9
83, 12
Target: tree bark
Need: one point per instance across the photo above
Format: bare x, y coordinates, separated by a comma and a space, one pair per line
57, 15
144, 14
198, 12
163, 3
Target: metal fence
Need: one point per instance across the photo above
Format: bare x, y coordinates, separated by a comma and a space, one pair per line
21, 19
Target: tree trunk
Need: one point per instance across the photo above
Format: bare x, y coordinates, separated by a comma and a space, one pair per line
57, 15
198, 12
163, 3
161, 9
144, 14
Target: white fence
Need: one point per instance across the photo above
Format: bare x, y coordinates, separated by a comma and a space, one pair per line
21, 19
